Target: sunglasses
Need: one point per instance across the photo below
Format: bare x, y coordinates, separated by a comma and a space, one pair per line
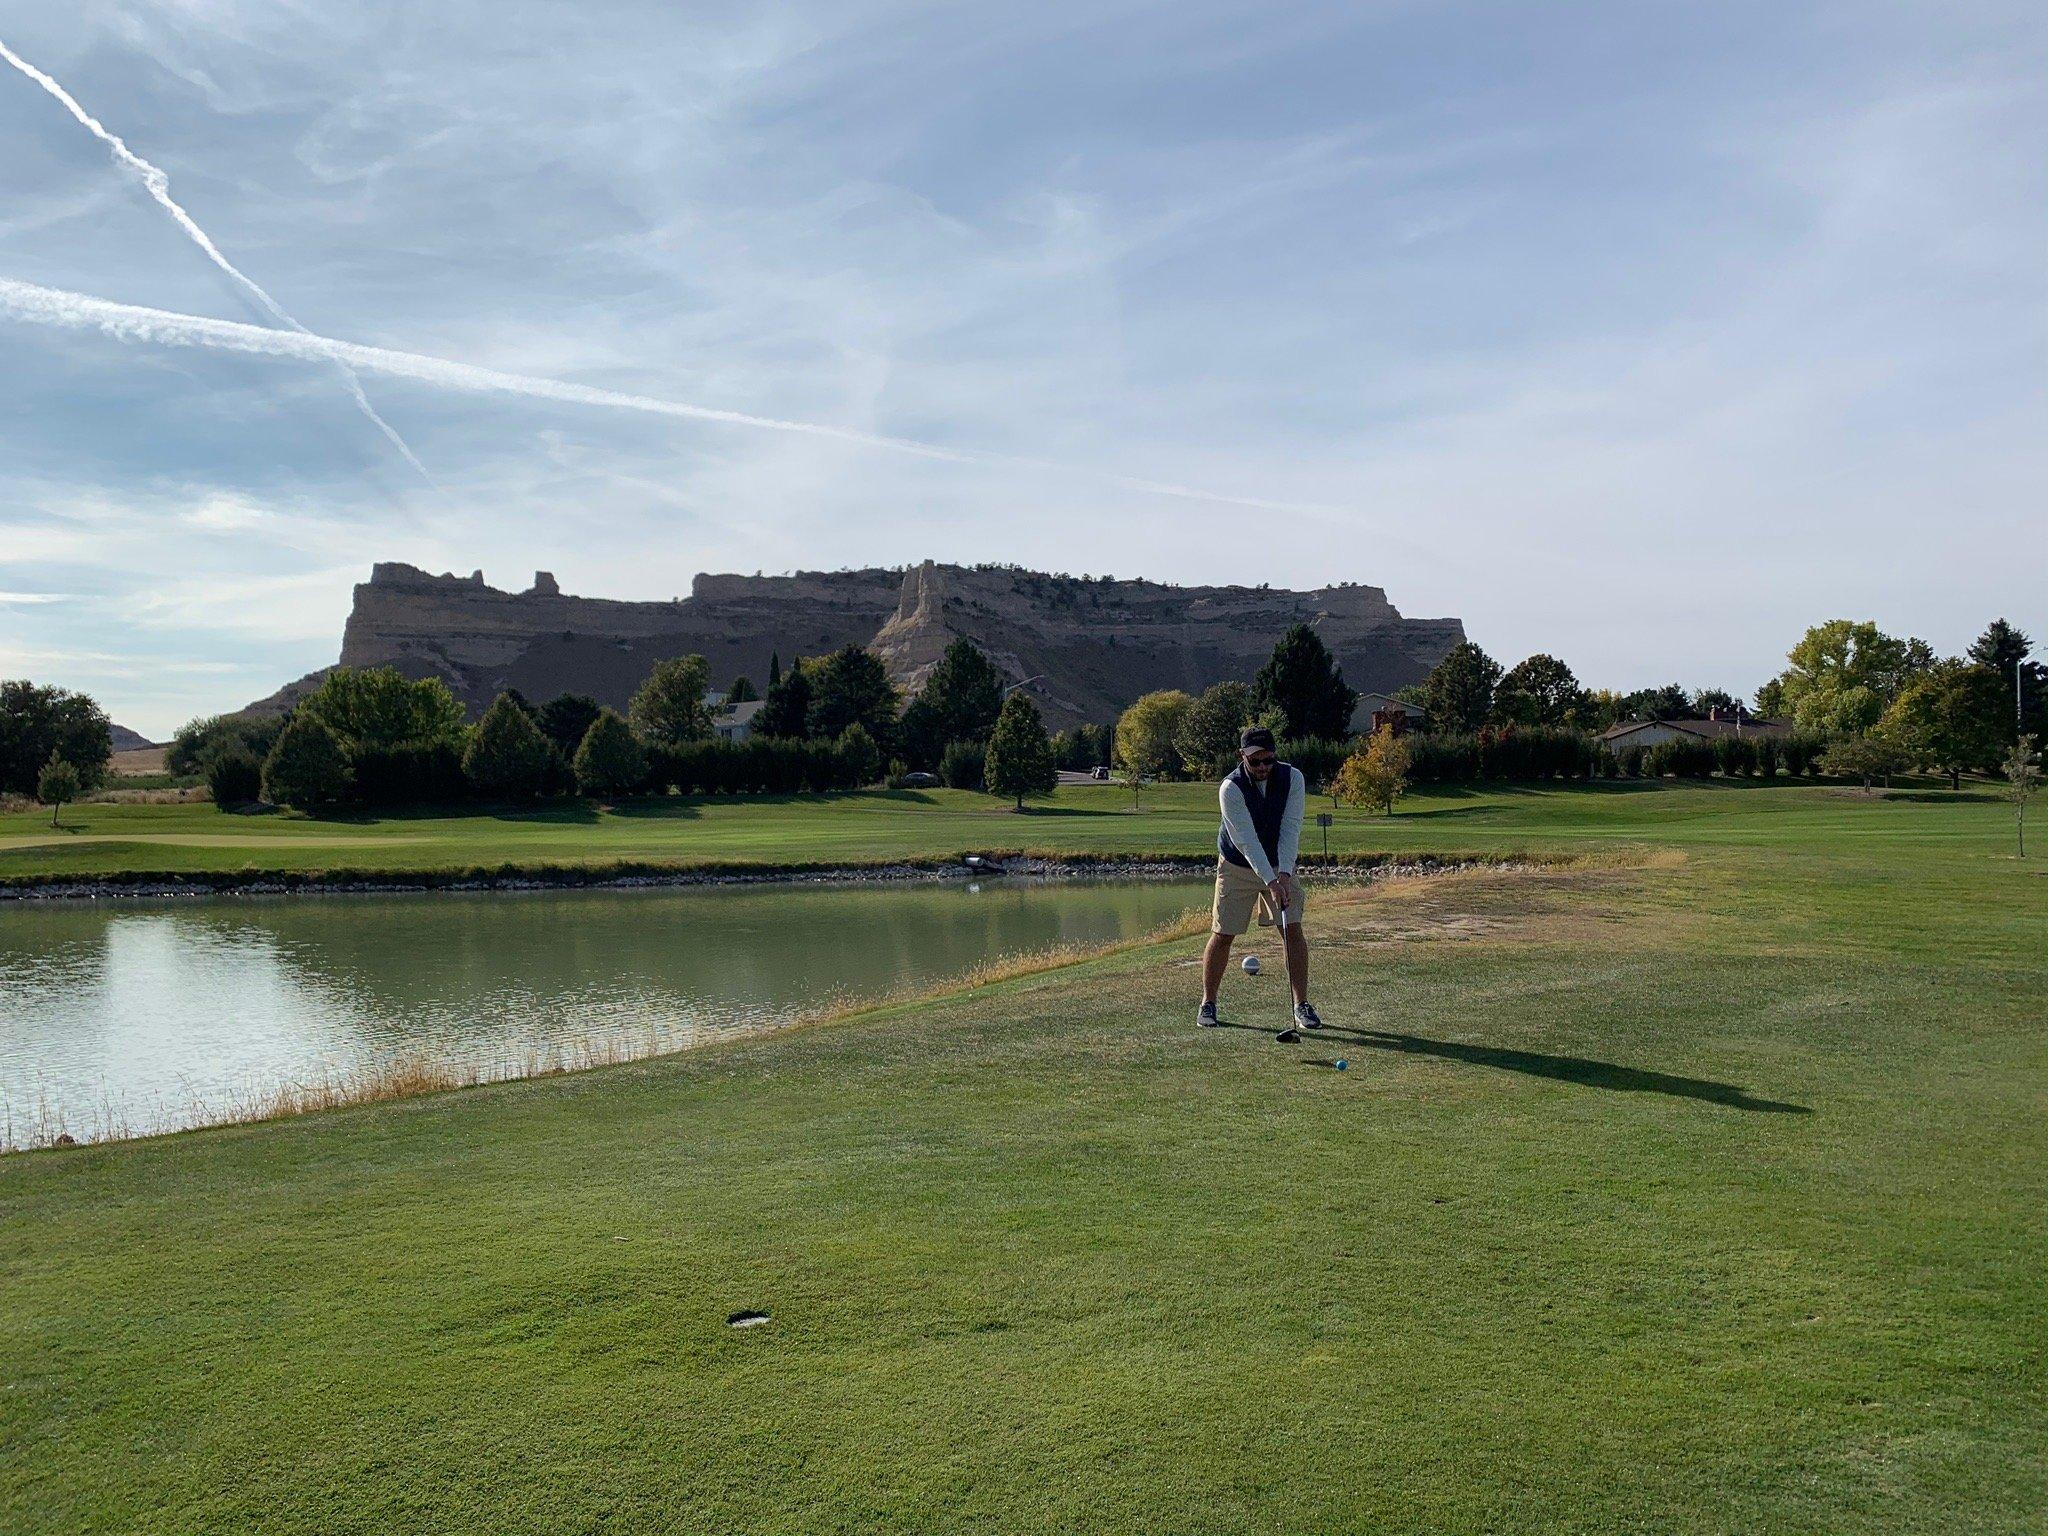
1263, 760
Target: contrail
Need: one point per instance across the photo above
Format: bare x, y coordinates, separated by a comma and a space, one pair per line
159, 186
163, 327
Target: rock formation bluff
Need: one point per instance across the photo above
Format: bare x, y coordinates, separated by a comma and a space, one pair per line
1092, 645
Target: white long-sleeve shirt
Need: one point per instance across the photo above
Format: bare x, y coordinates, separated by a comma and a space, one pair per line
1237, 821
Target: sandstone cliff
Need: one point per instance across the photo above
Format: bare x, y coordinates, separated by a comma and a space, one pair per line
1093, 645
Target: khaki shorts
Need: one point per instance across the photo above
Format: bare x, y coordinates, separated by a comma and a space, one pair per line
1239, 893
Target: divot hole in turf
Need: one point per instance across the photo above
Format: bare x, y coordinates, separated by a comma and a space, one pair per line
746, 1319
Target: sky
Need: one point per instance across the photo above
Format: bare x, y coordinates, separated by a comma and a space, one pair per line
1642, 334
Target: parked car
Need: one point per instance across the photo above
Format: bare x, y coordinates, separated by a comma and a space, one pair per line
1099, 771
918, 781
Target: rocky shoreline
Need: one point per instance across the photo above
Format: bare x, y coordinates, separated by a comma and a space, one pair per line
610, 877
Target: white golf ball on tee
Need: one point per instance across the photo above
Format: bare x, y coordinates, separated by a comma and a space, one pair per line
1251, 965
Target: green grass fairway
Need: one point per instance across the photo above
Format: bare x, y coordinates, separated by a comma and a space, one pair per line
1702, 1189
127, 840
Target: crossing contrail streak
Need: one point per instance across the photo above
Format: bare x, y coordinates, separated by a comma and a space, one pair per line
159, 186
163, 327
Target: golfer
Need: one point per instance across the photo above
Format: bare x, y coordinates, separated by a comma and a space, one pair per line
1261, 836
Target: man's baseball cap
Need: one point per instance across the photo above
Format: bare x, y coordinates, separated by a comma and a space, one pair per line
1255, 736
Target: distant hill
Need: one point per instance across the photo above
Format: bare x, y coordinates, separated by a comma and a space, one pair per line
1094, 645
126, 740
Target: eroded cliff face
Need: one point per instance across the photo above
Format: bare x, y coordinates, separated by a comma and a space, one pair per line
1093, 645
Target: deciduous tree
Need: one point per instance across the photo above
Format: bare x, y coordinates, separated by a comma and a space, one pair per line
1955, 716
507, 756
851, 687
668, 708
375, 708
1540, 690
56, 785
36, 721
306, 766
1376, 773
1209, 728
1844, 674
611, 760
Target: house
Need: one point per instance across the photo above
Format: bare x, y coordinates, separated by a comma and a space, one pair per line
1376, 709
736, 722
1719, 722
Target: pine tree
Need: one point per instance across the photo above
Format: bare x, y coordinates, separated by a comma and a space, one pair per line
964, 693
1303, 681
851, 687
1459, 693
306, 766
774, 668
1020, 760
564, 719
786, 712
741, 691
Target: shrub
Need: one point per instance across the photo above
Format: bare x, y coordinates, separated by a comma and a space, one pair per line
1735, 756
306, 766
1376, 773
611, 760
408, 773
1318, 758
234, 777
1802, 750
861, 758
1629, 762
1868, 758
962, 765
1683, 757
1769, 751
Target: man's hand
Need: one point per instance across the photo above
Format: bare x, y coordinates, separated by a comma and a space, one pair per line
1282, 892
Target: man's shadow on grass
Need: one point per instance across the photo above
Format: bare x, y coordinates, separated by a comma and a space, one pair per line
1565, 1069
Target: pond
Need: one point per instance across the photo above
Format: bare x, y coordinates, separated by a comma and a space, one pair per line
132, 1017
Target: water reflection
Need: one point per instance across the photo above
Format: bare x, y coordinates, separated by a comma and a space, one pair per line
148, 1016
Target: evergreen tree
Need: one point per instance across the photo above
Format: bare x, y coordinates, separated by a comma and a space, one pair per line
56, 785
1459, 693
564, 719
668, 709
774, 668
921, 734
507, 756
1020, 759
306, 766
742, 691
1302, 681
852, 688
964, 692
786, 711
611, 760
2005, 650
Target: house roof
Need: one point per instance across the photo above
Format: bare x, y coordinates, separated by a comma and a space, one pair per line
1706, 730
739, 714
1370, 702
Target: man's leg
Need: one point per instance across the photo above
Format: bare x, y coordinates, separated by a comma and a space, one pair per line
1215, 961
1296, 943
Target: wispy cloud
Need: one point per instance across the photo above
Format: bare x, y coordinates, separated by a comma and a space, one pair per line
158, 184
132, 322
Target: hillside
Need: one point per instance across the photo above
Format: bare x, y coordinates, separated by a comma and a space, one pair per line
1095, 644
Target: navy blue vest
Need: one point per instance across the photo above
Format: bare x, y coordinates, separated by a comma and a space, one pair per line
1267, 812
